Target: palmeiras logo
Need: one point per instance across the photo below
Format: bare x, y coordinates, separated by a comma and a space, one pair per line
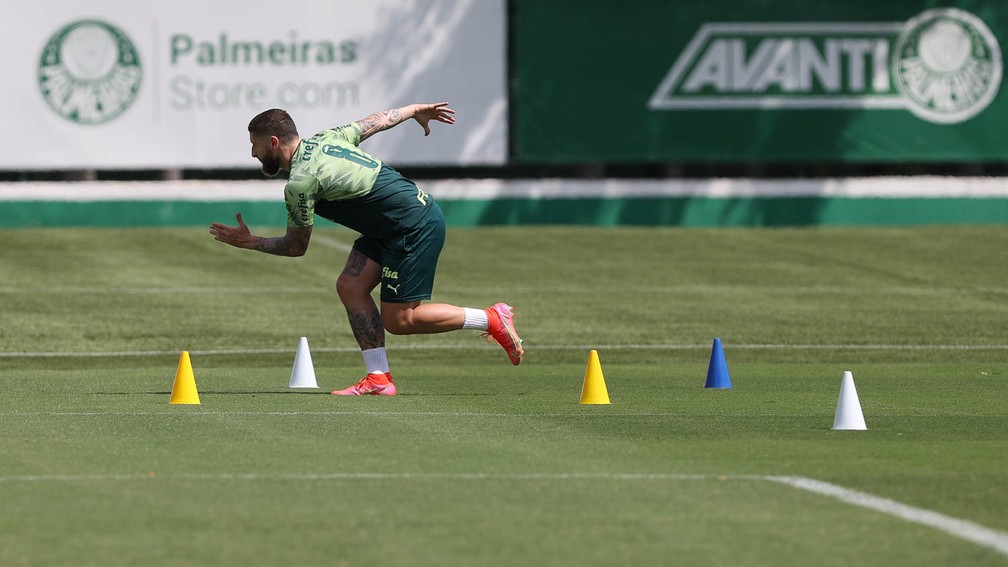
947, 63
943, 65
89, 72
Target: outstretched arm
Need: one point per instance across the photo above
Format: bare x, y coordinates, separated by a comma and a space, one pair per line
422, 113
294, 243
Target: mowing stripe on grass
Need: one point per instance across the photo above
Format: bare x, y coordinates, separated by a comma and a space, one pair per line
423, 347
370, 476
956, 527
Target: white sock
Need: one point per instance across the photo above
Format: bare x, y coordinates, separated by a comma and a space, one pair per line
375, 360
475, 319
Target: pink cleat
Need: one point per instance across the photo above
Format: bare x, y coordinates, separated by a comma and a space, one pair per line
501, 328
370, 385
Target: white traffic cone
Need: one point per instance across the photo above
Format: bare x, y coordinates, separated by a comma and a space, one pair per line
303, 374
848, 408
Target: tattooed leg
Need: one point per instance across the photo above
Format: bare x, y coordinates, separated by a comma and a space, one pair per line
367, 328
359, 277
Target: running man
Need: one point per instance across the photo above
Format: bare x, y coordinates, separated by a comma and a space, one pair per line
401, 226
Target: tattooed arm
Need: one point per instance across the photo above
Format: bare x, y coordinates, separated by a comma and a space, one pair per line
294, 243
422, 113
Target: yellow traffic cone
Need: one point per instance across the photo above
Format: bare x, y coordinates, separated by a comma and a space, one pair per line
594, 389
184, 389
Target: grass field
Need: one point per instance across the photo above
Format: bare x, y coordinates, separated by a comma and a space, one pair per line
477, 462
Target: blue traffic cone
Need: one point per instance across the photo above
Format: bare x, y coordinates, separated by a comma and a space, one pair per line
717, 370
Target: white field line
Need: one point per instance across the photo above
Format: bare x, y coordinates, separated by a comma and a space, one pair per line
164, 290
955, 527
323, 413
550, 347
683, 289
963, 529
330, 242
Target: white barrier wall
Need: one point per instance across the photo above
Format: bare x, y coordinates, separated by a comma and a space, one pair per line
117, 84
877, 201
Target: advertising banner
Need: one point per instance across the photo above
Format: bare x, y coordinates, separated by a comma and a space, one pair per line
772, 81
114, 84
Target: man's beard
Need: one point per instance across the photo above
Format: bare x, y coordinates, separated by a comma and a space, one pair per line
270, 166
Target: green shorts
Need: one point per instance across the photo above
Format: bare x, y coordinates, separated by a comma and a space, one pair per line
408, 259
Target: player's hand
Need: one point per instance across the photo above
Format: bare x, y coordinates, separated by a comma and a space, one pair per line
424, 113
239, 236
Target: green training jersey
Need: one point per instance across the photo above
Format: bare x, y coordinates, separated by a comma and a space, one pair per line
332, 177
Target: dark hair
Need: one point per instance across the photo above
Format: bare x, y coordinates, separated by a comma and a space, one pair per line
274, 122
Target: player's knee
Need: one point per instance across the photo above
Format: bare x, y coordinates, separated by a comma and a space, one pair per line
350, 287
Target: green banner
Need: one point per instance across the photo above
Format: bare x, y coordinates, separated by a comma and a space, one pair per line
763, 81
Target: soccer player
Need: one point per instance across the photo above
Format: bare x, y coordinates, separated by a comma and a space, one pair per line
402, 231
